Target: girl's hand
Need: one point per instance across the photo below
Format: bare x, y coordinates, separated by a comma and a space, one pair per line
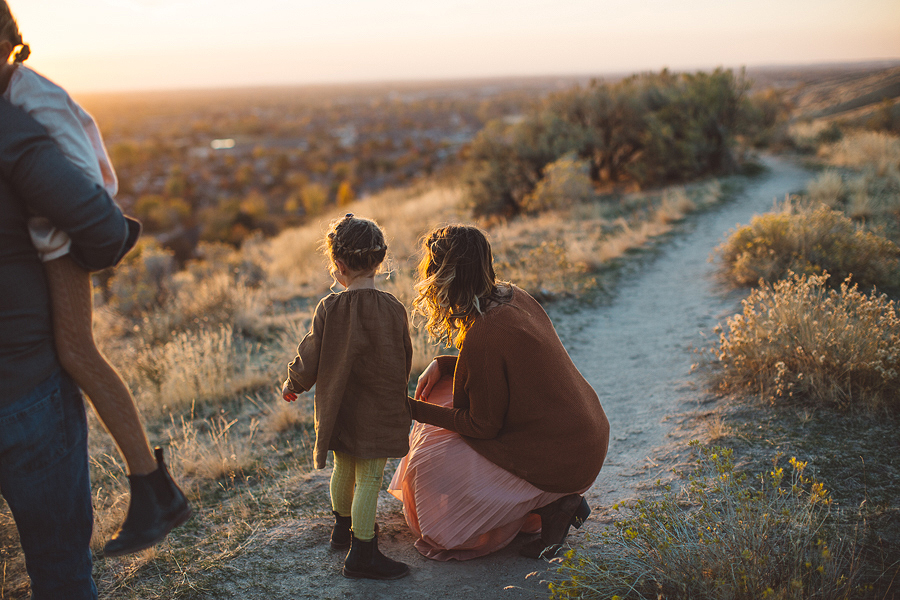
427, 380
286, 393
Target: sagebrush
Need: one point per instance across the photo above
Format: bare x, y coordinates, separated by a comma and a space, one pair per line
798, 340
809, 240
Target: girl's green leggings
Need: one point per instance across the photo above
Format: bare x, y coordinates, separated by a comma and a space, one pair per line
355, 484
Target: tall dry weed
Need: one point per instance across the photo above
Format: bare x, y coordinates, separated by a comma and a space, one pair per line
197, 367
798, 341
207, 449
827, 188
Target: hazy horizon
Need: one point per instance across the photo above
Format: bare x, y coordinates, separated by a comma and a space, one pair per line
95, 46
486, 80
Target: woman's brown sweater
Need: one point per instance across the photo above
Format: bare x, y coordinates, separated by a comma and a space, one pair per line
519, 400
358, 354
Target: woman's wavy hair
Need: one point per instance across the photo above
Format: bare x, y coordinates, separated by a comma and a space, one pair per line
359, 243
456, 281
9, 31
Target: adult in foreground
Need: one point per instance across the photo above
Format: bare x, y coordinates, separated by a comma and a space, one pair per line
519, 436
43, 432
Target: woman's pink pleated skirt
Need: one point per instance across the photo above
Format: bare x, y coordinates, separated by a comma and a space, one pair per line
460, 504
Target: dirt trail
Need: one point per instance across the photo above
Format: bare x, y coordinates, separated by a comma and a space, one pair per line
636, 350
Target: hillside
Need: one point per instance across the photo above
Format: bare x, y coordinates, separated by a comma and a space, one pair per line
202, 330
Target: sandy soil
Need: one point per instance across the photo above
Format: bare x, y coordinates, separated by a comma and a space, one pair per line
636, 350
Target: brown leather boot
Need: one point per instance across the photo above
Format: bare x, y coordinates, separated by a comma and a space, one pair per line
157, 505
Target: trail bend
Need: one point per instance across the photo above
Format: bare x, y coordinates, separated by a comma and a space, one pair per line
636, 349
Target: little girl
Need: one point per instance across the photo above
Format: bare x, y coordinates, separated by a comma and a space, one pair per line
157, 504
358, 354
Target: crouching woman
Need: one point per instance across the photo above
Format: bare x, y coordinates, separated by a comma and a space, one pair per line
509, 433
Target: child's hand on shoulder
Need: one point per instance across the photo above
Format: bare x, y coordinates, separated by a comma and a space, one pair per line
286, 392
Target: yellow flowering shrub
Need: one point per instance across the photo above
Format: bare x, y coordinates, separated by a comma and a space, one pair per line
726, 535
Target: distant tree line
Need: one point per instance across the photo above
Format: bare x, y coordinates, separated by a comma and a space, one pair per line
646, 130
296, 151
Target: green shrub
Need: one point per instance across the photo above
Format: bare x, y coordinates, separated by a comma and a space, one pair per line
797, 339
727, 536
565, 182
497, 174
810, 241
649, 129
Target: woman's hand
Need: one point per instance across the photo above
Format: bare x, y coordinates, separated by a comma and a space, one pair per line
286, 393
427, 380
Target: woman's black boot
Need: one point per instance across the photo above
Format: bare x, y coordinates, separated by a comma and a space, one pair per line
365, 560
556, 518
340, 534
157, 506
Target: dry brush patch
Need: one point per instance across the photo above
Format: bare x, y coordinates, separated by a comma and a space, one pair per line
240, 471
873, 151
861, 178
726, 534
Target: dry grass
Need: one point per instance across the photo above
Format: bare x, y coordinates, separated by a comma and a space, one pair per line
547, 255
867, 188
675, 205
294, 256
284, 417
873, 151
206, 449
198, 367
796, 340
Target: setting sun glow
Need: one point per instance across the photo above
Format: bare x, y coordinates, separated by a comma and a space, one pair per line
97, 45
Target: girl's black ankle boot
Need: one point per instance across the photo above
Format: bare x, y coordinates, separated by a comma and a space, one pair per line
157, 506
340, 534
365, 560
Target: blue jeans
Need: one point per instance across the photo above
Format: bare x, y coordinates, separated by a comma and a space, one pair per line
44, 478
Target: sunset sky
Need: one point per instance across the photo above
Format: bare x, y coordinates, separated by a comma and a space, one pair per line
99, 45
